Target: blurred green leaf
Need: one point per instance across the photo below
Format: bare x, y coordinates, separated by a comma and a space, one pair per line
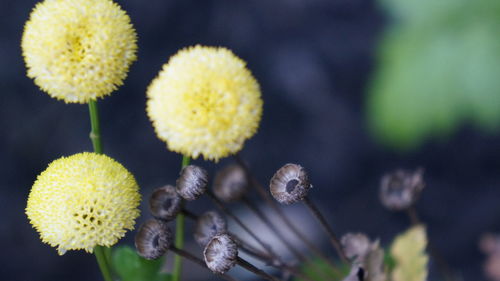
438, 68
320, 270
131, 267
389, 261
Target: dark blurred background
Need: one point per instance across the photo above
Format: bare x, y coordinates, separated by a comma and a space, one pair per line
315, 61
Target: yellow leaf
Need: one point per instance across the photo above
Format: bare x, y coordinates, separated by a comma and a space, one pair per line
408, 250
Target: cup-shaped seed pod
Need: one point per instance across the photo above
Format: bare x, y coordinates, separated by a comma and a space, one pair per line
192, 182
400, 189
208, 225
356, 245
230, 183
490, 244
165, 203
153, 239
221, 253
290, 184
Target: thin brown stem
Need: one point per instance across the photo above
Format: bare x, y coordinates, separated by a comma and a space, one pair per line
328, 229
273, 228
273, 205
250, 267
198, 261
277, 261
241, 243
442, 265
230, 214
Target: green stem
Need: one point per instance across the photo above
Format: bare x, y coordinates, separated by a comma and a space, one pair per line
95, 133
179, 234
103, 265
102, 254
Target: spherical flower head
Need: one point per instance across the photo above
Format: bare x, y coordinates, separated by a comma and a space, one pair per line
82, 201
205, 102
78, 50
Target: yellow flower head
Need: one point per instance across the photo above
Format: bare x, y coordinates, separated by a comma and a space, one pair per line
78, 50
83, 200
205, 101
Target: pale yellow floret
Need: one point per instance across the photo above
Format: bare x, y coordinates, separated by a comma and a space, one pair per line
83, 200
78, 50
205, 102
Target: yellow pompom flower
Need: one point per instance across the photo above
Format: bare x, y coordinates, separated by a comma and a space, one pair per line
78, 50
82, 201
205, 102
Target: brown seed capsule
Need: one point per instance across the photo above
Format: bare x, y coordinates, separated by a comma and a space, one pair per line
400, 189
153, 239
208, 225
221, 253
165, 203
230, 183
290, 184
192, 182
356, 245
490, 244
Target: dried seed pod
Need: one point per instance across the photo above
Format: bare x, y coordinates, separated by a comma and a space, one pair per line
208, 225
153, 239
290, 184
490, 244
400, 189
192, 182
230, 183
356, 245
221, 253
165, 203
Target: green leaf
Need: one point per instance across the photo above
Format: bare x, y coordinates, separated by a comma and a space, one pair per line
408, 251
438, 69
389, 262
131, 267
320, 270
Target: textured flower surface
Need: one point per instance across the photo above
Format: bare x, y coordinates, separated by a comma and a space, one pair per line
83, 200
205, 102
78, 50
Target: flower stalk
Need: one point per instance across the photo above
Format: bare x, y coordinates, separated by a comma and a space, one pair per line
103, 263
95, 133
179, 233
95, 136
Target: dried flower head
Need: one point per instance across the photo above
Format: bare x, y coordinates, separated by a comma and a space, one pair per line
491, 267
365, 253
82, 201
490, 244
400, 189
290, 184
208, 225
78, 50
205, 102
192, 182
221, 253
230, 183
153, 239
165, 203
356, 245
